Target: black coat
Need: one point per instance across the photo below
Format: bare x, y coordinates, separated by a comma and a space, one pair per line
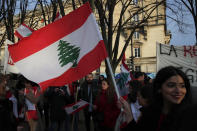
84, 92
7, 120
187, 121
150, 121
57, 103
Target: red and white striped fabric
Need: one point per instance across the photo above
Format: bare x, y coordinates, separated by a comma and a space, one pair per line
76, 107
23, 31
125, 69
9, 66
41, 62
58, 16
31, 107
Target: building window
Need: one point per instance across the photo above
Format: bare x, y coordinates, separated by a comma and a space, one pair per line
137, 68
136, 18
136, 35
137, 52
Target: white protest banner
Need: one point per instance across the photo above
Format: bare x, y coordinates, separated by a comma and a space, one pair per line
183, 57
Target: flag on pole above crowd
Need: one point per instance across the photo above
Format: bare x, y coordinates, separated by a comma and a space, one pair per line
124, 77
23, 31
61, 52
124, 68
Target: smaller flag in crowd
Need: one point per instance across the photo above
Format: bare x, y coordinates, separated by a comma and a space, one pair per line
125, 69
23, 31
76, 107
124, 77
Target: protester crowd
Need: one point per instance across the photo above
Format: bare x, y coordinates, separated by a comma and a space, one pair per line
160, 104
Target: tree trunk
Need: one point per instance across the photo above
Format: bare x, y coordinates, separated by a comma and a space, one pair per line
61, 7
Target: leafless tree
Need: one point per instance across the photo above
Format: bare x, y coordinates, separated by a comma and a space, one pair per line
105, 9
13, 13
23, 10
8, 10
124, 26
180, 9
61, 7
1, 10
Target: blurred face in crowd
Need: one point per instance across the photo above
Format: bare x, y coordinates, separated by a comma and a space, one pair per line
28, 86
173, 90
21, 92
142, 101
105, 85
101, 77
89, 78
141, 78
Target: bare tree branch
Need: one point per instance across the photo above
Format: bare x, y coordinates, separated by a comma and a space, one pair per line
180, 9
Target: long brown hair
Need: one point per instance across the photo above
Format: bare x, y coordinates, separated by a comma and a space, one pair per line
110, 92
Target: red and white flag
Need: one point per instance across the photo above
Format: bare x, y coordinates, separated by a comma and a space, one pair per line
124, 77
23, 31
125, 69
76, 107
58, 16
9, 66
61, 52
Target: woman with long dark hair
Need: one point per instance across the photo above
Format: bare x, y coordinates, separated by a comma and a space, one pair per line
106, 107
171, 95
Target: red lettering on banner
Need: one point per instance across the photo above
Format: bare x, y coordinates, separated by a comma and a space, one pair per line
195, 50
186, 50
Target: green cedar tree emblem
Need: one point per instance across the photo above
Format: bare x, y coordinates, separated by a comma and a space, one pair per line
68, 53
122, 80
75, 107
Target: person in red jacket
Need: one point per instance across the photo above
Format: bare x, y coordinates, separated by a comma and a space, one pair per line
106, 107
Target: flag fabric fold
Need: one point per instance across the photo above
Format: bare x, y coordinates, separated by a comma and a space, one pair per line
61, 52
9, 66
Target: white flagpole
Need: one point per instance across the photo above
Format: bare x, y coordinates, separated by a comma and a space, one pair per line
117, 126
112, 76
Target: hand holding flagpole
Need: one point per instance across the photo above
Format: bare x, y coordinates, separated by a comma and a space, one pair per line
113, 79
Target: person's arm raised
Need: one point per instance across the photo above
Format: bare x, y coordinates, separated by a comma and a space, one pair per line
126, 109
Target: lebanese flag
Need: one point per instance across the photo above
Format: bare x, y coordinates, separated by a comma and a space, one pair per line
125, 69
23, 31
61, 52
58, 16
76, 107
124, 77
